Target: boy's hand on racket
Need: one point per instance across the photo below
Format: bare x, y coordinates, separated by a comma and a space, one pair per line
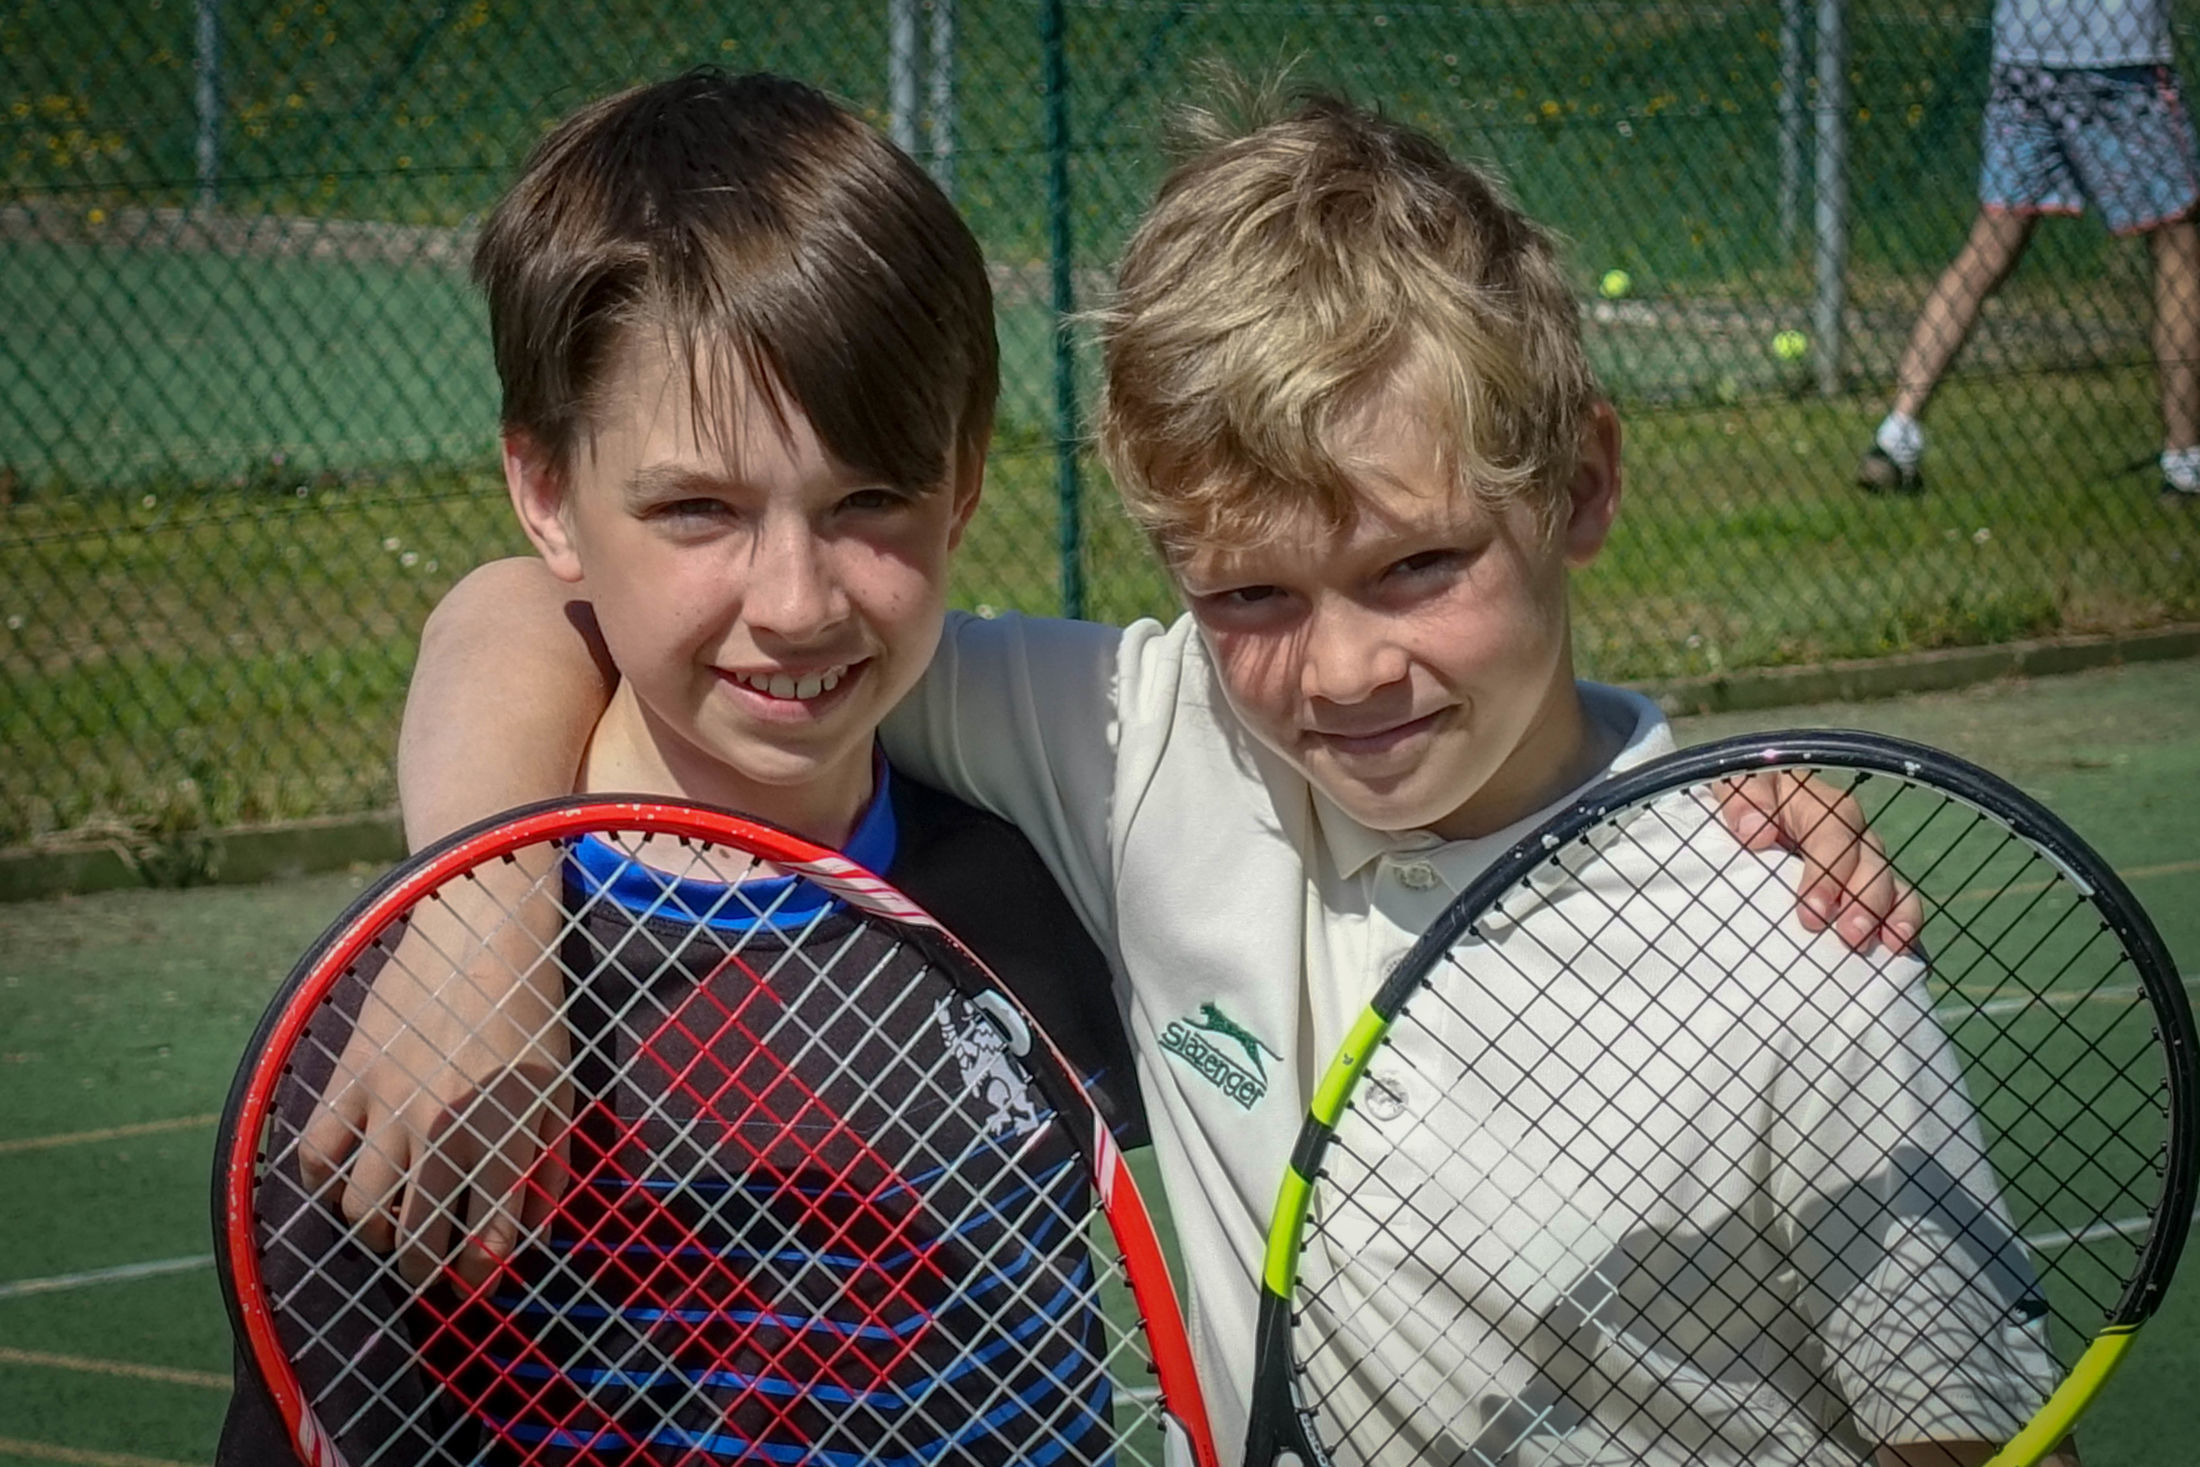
453, 1084
1848, 883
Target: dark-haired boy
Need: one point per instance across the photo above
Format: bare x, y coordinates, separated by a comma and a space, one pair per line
749, 369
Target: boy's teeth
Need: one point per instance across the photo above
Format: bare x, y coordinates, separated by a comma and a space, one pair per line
802, 689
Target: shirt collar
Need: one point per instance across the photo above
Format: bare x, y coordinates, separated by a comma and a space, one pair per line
1353, 847
600, 867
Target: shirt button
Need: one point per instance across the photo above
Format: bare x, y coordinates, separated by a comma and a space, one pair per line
1419, 875
1383, 1096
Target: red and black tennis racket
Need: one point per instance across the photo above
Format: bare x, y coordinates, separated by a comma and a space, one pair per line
814, 1187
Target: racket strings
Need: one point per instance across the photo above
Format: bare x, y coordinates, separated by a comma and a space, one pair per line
655, 1261
740, 1295
1553, 1103
2027, 945
858, 1356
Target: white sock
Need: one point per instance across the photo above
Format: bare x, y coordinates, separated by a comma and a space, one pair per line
1901, 438
2181, 469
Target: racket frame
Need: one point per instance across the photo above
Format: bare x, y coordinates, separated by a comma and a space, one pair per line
1281, 1422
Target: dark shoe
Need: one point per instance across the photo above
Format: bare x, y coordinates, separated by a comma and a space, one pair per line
1878, 473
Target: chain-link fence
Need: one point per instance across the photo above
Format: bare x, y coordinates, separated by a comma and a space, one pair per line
247, 408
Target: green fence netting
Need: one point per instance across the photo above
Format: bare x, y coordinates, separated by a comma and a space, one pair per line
247, 408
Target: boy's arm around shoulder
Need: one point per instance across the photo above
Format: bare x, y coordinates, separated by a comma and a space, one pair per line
1026, 717
459, 1084
508, 687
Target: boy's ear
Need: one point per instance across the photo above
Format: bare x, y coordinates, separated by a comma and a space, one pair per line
1592, 503
969, 484
538, 498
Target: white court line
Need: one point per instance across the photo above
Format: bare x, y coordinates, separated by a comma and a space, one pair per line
2001, 1006
129, 1370
2042, 1242
120, 1273
109, 1133
53, 1452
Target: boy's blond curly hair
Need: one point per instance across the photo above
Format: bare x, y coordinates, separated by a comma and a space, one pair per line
1290, 273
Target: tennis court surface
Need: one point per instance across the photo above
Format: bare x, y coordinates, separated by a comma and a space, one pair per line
121, 1016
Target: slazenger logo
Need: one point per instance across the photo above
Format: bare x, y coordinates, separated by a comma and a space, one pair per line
1194, 1041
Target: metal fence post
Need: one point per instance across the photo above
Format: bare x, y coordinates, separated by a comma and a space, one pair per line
206, 63
1832, 248
1792, 126
1060, 247
941, 119
901, 74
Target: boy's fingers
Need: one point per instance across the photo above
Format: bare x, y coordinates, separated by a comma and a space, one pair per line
424, 1228
370, 1187
1840, 859
1908, 919
1746, 805
505, 1126
331, 1134
493, 1206
1848, 884
553, 1173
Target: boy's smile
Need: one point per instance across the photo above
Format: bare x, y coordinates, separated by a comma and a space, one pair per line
765, 604
1414, 664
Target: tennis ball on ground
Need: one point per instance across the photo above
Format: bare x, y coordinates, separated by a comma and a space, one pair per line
1789, 346
1615, 284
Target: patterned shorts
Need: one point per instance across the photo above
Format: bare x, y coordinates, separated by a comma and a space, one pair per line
2119, 137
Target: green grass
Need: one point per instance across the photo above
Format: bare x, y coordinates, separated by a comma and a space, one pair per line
225, 655
233, 652
150, 363
1645, 136
1646, 132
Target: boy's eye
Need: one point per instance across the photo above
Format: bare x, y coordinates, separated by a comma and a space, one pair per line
1243, 595
1428, 562
692, 509
873, 500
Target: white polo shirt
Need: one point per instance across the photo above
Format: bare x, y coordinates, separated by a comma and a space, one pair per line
1248, 918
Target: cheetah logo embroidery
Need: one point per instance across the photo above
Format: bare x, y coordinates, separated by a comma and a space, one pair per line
1214, 1021
981, 1054
1194, 1042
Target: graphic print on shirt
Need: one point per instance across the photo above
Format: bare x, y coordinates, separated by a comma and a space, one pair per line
980, 1051
747, 1246
1215, 1062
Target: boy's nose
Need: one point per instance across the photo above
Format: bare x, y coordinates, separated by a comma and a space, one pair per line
1348, 655
792, 590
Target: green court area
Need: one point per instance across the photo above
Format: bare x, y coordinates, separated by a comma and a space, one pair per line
121, 1017
133, 365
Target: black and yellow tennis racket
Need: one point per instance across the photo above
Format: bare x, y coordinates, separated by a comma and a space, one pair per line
1624, 1166
813, 1185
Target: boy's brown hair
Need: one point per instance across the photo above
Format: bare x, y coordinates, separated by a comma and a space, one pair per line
758, 226
1290, 273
